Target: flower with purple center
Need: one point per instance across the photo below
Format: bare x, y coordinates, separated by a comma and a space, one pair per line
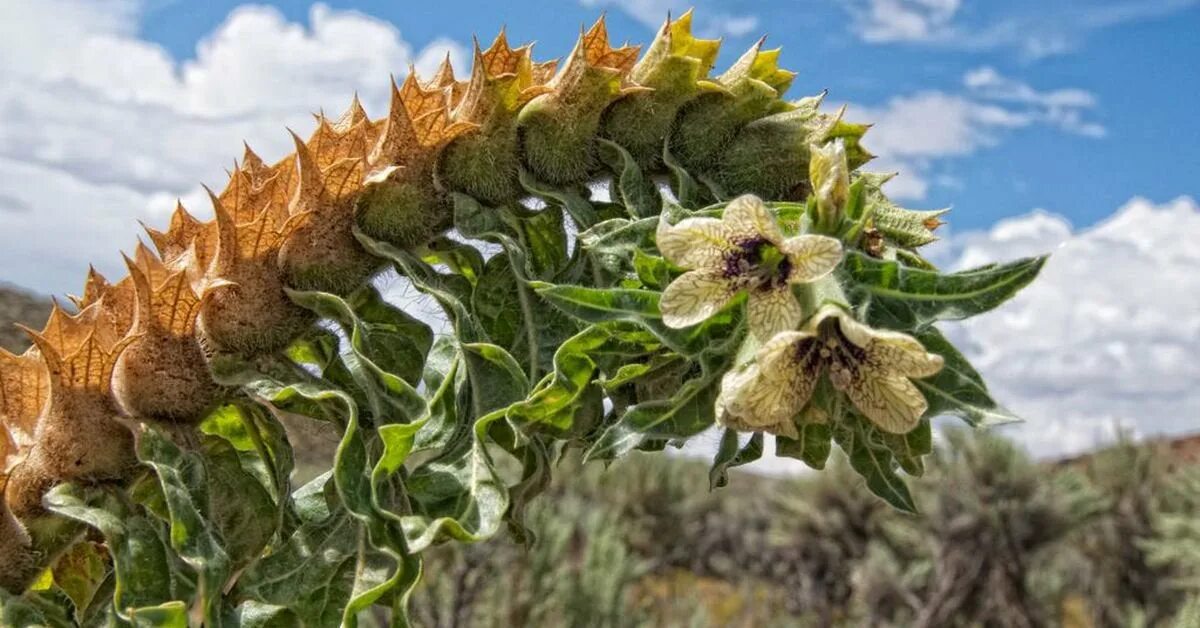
743, 251
873, 368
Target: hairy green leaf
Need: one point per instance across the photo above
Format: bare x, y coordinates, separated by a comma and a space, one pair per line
899, 297
637, 191
812, 447
730, 455
873, 460
958, 389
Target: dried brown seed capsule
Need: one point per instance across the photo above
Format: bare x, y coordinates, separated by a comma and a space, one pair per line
80, 432
16, 548
321, 252
24, 390
400, 202
162, 374
186, 233
243, 308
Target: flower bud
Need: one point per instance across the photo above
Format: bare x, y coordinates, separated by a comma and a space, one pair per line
830, 176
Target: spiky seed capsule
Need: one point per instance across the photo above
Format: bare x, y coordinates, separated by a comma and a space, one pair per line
321, 253
163, 374
400, 202
675, 67
707, 124
557, 130
485, 164
81, 434
406, 214
243, 308
770, 156
251, 315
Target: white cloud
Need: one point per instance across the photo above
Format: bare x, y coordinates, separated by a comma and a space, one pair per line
882, 21
1105, 338
1035, 29
99, 128
709, 22
1063, 108
912, 132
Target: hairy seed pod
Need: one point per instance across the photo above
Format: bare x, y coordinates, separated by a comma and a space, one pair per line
400, 203
321, 253
707, 124
485, 164
557, 129
27, 482
81, 434
163, 374
243, 308
675, 67
769, 157
406, 214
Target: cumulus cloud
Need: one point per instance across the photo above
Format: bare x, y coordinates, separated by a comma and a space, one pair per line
912, 132
99, 128
1106, 338
1033, 28
881, 21
709, 21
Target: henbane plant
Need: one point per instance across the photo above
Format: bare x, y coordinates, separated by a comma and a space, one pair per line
743, 271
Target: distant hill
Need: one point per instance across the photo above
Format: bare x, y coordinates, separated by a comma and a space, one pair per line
19, 306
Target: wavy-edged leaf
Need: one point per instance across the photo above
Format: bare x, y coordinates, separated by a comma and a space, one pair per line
144, 573
870, 456
730, 454
183, 480
535, 245
395, 341
910, 448
495, 375
811, 447
451, 290
637, 191
568, 394
900, 297
689, 411
958, 389
390, 397
242, 510
460, 257
80, 573
460, 496
599, 305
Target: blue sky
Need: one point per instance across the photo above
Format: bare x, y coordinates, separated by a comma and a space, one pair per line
1138, 60
1064, 127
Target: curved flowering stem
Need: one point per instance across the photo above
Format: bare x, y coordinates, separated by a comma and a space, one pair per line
153, 429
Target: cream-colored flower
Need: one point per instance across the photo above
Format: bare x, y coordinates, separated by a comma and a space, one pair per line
872, 367
744, 250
